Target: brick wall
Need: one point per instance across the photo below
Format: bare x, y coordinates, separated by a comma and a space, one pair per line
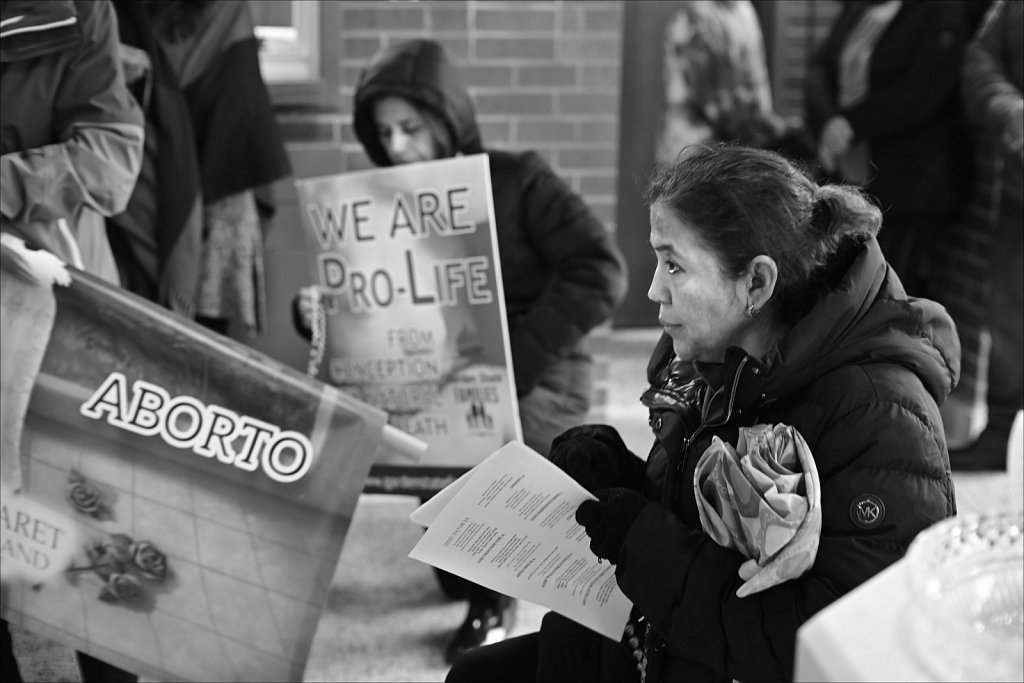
792, 30
544, 76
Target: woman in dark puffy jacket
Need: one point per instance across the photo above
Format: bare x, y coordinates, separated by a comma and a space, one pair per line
562, 273
778, 308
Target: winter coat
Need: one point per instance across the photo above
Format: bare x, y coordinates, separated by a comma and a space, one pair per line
993, 74
72, 135
562, 273
911, 117
212, 134
157, 240
861, 377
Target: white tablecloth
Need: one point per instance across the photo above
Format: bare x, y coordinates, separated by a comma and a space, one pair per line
863, 636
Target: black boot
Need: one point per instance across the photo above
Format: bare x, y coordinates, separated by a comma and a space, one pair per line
488, 621
989, 451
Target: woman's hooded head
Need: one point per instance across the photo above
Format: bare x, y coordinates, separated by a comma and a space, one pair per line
421, 72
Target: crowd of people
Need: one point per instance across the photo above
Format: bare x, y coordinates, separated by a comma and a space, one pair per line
791, 277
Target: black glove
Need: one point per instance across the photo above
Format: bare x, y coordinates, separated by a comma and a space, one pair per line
607, 520
596, 457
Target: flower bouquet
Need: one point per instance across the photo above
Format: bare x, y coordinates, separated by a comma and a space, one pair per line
763, 499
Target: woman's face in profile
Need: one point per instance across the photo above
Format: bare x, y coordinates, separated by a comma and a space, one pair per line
403, 132
701, 309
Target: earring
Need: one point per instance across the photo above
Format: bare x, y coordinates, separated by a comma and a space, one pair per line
751, 311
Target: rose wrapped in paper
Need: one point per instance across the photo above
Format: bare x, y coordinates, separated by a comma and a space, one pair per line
763, 499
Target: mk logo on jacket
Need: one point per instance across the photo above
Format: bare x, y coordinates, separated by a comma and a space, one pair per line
867, 511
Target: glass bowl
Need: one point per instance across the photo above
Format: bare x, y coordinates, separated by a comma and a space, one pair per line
966, 599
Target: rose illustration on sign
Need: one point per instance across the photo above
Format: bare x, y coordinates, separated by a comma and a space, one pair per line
151, 563
131, 570
121, 588
86, 498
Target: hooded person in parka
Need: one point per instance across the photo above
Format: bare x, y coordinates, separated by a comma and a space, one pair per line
778, 308
562, 273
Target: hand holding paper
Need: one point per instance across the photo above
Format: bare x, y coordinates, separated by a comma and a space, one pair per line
607, 520
509, 524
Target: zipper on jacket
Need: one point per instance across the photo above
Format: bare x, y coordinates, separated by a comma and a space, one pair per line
688, 441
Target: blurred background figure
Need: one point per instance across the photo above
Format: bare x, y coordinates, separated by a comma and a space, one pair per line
717, 87
72, 139
192, 238
883, 102
157, 240
993, 76
72, 135
715, 74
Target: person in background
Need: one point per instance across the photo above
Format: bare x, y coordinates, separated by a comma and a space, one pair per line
715, 74
563, 275
72, 135
157, 240
882, 100
993, 77
192, 236
716, 84
778, 308
72, 139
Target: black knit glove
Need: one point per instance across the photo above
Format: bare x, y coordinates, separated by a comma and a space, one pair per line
596, 457
607, 520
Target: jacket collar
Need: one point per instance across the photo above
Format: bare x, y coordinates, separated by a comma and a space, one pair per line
868, 317
32, 29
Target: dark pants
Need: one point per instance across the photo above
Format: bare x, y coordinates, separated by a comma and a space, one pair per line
9, 671
907, 243
92, 669
561, 651
1005, 313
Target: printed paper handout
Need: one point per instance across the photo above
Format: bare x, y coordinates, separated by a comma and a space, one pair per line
509, 524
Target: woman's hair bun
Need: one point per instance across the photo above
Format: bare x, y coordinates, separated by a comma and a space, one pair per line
822, 213
843, 210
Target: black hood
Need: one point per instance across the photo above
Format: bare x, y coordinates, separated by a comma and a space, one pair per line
421, 72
